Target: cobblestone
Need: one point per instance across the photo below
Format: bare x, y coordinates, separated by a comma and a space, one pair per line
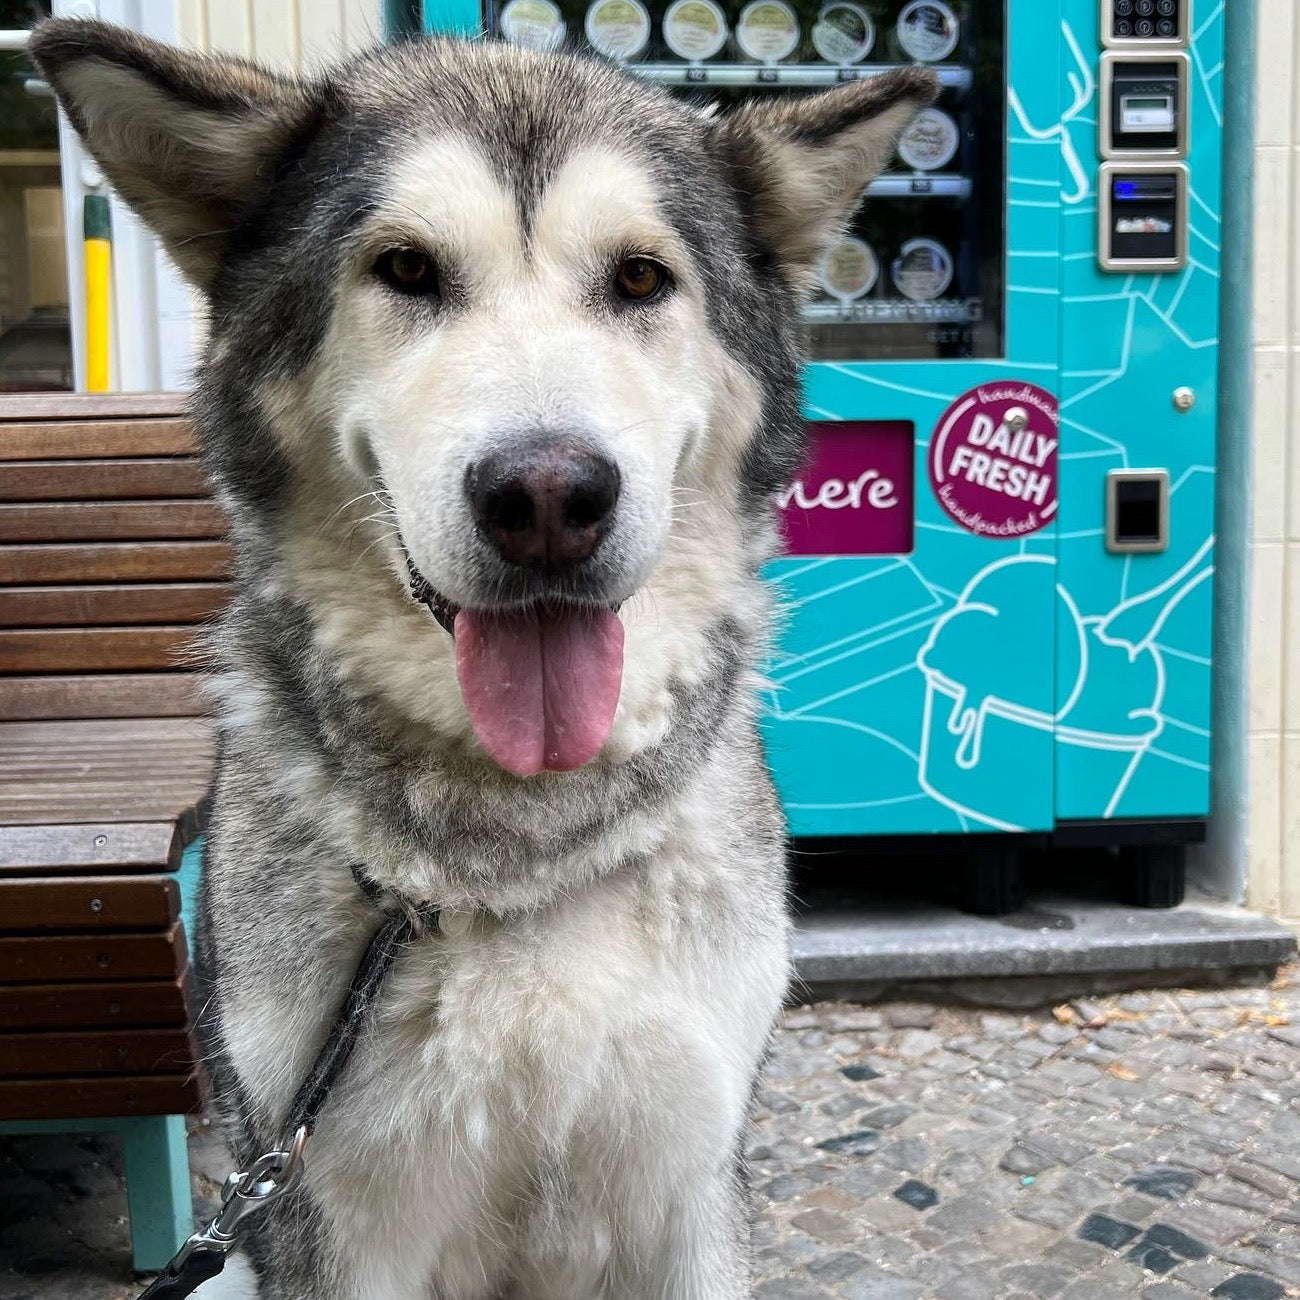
1143, 1145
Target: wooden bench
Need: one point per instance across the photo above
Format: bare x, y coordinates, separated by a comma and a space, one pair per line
111, 552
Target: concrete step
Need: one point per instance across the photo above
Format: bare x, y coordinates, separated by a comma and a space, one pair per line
842, 938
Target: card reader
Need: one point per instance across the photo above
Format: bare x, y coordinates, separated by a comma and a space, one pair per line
1143, 217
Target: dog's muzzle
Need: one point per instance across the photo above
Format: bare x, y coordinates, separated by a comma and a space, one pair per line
540, 682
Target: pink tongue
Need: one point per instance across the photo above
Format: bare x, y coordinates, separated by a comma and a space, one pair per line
541, 689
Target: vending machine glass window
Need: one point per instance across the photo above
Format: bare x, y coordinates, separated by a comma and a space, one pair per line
920, 275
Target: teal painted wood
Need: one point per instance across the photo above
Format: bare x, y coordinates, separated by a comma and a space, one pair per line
188, 877
1136, 741
454, 17
156, 1163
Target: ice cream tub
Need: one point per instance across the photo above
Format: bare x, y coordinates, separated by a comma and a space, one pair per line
618, 29
922, 271
695, 29
843, 33
929, 141
928, 30
534, 24
767, 31
849, 269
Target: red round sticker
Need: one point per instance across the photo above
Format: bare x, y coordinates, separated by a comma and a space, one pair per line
993, 459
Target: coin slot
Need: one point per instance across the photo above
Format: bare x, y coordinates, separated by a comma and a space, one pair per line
1137, 511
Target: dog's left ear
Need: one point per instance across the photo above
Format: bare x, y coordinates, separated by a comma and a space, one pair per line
803, 163
190, 141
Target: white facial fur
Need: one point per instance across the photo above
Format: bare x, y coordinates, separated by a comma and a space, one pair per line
418, 399
529, 346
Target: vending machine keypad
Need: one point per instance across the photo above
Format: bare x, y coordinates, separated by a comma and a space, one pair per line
1156, 22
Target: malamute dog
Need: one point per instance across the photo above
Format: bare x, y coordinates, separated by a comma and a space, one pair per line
502, 375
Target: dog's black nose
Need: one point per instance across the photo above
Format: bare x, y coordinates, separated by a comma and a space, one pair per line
544, 505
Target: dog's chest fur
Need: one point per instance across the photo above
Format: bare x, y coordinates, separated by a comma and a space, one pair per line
527, 1081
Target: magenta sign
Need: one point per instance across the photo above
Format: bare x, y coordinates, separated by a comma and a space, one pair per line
856, 496
993, 459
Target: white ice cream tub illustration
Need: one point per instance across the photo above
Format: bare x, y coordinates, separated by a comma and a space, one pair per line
989, 717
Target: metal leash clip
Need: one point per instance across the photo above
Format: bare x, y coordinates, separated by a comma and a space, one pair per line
244, 1194
267, 1179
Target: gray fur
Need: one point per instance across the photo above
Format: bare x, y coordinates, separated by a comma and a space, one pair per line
549, 1102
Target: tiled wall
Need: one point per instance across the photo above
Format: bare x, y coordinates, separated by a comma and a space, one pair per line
291, 34
1273, 850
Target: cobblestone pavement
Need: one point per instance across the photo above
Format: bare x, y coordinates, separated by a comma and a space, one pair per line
1141, 1145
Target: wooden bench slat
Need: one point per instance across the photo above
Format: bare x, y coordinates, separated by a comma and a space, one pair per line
31, 564
86, 757
113, 521
126, 649
62, 650
89, 903
108, 807
101, 733
107, 1002
104, 606
91, 406
146, 771
160, 955
113, 1051
102, 480
158, 1094
142, 846
101, 696
94, 440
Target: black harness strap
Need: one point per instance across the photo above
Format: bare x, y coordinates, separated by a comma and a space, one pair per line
177, 1281
271, 1175
330, 1061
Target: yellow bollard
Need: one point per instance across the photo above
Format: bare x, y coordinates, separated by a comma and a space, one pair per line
98, 234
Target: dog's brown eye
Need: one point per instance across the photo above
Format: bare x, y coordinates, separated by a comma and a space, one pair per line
638, 279
408, 271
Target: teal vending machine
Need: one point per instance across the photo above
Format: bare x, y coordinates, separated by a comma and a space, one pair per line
1000, 555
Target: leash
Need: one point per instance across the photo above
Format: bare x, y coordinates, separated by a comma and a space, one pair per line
276, 1172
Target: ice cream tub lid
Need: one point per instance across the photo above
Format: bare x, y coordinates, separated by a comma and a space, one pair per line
534, 24
767, 31
618, 29
930, 140
923, 270
849, 270
843, 33
928, 30
695, 29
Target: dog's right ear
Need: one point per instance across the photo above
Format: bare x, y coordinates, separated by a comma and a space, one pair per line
803, 163
190, 141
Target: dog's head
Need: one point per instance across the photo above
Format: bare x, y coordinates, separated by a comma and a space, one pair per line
521, 325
